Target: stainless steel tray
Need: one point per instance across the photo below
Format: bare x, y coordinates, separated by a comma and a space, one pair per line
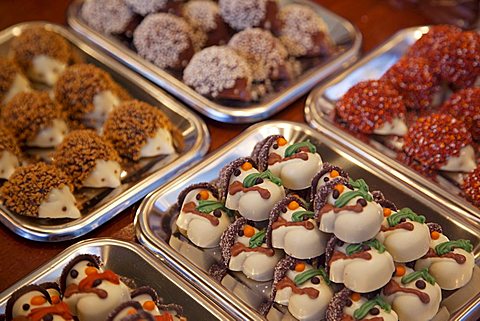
147, 175
134, 262
153, 221
321, 102
347, 38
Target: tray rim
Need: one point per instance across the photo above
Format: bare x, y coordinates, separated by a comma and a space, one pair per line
205, 284
119, 203
314, 118
139, 250
202, 104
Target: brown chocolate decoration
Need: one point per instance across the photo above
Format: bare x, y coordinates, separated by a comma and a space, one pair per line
286, 282
379, 198
326, 168
191, 208
404, 225
227, 171
207, 186
337, 255
357, 208
261, 151
238, 248
92, 259
321, 197
337, 304
459, 258
393, 287
237, 187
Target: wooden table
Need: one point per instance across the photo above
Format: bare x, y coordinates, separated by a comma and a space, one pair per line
376, 19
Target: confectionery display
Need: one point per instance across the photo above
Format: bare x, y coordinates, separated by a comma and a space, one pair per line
12, 80
269, 44
10, 153
86, 291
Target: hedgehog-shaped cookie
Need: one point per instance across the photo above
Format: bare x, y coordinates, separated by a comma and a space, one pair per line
88, 94
137, 130
295, 164
40, 190
89, 160
361, 267
35, 119
90, 291
246, 190
12, 80
9, 153
303, 288
292, 228
202, 218
42, 55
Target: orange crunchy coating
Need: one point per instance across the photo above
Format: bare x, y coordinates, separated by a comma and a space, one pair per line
29, 186
38, 41
130, 125
8, 71
8, 142
78, 85
78, 153
471, 187
28, 113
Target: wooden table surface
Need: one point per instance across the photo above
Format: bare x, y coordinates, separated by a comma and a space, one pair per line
376, 19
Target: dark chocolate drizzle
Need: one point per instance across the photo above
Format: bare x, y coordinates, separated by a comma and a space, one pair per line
321, 196
261, 151
435, 227
326, 168
206, 186
336, 305
129, 304
146, 290
393, 287
237, 187
280, 271
228, 239
17, 294
227, 171
191, 208
177, 308
329, 249
380, 199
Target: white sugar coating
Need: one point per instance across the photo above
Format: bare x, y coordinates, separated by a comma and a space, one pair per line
299, 24
202, 14
242, 14
262, 50
144, 7
107, 16
161, 38
215, 69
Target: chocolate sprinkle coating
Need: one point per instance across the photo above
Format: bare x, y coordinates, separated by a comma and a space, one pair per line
78, 153
471, 187
93, 259
132, 304
171, 307
27, 113
8, 142
227, 171
280, 271
326, 168
51, 285
18, 293
228, 239
145, 290
29, 186
8, 71
275, 213
336, 305
435, 227
107, 16
379, 198
130, 125
34, 42
211, 188
141, 315
329, 248
321, 197
261, 151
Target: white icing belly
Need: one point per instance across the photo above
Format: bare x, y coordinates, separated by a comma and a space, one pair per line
397, 127
19, 84
50, 136
465, 162
8, 163
160, 144
59, 203
46, 69
103, 103
105, 174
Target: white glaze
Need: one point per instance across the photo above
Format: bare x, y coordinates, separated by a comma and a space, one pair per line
405, 245
397, 127
352, 227
50, 136
105, 174
464, 162
56, 201
160, 144
409, 307
26, 298
254, 265
387, 316
297, 241
199, 230
103, 103
361, 275
19, 84
301, 306
8, 163
296, 174
46, 69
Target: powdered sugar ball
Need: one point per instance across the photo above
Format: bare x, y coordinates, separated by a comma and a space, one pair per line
165, 40
303, 32
108, 16
265, 54
144, 7
219, 72
242, 14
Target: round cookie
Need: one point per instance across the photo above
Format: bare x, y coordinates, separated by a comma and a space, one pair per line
12, 80
109, 16
243, 14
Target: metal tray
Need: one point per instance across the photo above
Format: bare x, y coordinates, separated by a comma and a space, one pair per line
346, 37
141, 179
243, 296
321, 102
134, 262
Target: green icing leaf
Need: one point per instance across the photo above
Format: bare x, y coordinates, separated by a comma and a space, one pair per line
355, 248
257, 239
363, 311
417, 275
395, 218
299, 215
361, 190
292, 149
307, 275
251, 179
208, 206
446, 247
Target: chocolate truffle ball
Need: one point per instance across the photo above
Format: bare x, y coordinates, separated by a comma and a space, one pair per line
242, 14
12, 80
471, 187
165, 40
108, 16
265, 54
303, 31
219, 72
145, 7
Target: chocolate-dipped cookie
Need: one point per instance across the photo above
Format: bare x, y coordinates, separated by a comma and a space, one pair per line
150, 302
